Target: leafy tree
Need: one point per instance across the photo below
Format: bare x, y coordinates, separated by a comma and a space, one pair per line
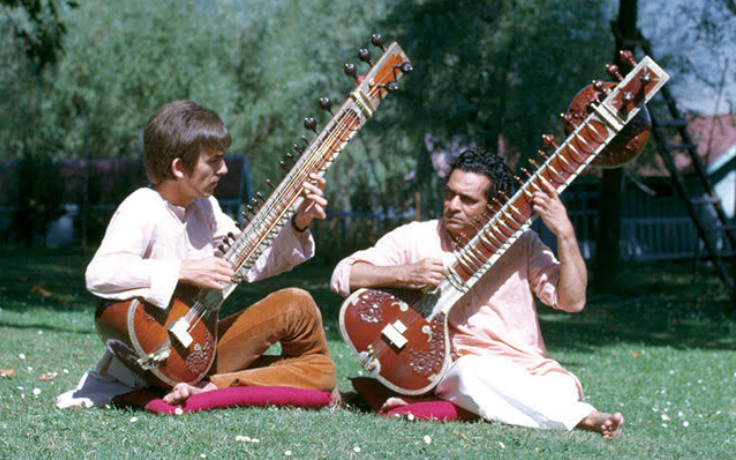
496, 72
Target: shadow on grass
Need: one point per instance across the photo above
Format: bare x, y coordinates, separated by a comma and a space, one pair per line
656, 304
45, 327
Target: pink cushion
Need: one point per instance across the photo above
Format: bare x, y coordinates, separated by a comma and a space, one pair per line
423, 408
240, 396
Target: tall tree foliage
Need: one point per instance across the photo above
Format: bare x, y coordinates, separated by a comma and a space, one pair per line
31, 33
482, 69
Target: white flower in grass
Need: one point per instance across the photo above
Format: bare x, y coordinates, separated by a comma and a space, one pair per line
30, 369
665, 417
178, 411
20, 388
686, 424
427, 439
66, 371
203, 456
287, 453
356, 449
22, 356
410, 417
36, 391
40, 332
255, 440
133, 419
680, 414
503, 446
664, 425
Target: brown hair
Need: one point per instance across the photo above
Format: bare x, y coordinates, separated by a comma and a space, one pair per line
181, 129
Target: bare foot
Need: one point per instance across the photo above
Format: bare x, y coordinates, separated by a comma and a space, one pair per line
182, 391
610, 426
401, 401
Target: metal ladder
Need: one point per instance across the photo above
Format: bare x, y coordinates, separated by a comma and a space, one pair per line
666, 128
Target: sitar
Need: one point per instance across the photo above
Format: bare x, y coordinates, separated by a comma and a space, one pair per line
401, 337
178, 344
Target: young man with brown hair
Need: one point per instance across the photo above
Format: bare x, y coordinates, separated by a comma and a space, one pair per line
168, 234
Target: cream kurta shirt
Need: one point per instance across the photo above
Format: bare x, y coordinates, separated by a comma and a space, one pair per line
498, 316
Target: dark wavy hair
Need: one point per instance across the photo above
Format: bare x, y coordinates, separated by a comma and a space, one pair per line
181, 129
480, 161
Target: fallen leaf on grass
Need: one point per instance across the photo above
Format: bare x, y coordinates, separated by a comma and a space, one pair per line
41, 289
461, 436
635, 354
47, 376
7, 372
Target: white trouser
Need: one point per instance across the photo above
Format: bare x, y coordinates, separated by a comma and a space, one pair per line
498, 389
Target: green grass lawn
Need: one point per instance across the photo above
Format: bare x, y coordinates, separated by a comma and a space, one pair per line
661, 351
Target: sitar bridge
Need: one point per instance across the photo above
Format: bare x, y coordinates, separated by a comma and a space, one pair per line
180, 330
393, 334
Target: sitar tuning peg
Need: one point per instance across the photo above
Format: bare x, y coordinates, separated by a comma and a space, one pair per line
612, 71
364, 54
311, 124
391, 87
290, 157
260, 197
600, 87
378, 41
325, 104
351, 70
270, 184
549, 141
298, 149
627, 57
284, 165
245, 216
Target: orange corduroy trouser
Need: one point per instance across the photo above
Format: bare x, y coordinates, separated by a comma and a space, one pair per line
289, 316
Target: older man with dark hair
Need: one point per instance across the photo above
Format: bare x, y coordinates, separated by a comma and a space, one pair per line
500, 369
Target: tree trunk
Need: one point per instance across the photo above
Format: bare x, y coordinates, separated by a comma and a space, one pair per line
611, 190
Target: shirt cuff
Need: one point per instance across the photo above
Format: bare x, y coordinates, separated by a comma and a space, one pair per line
164, 280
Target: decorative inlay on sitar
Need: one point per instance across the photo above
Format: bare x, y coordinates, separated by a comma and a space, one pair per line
408, 349
178, 344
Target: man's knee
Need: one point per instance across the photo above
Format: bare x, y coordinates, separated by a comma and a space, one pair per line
298, 300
